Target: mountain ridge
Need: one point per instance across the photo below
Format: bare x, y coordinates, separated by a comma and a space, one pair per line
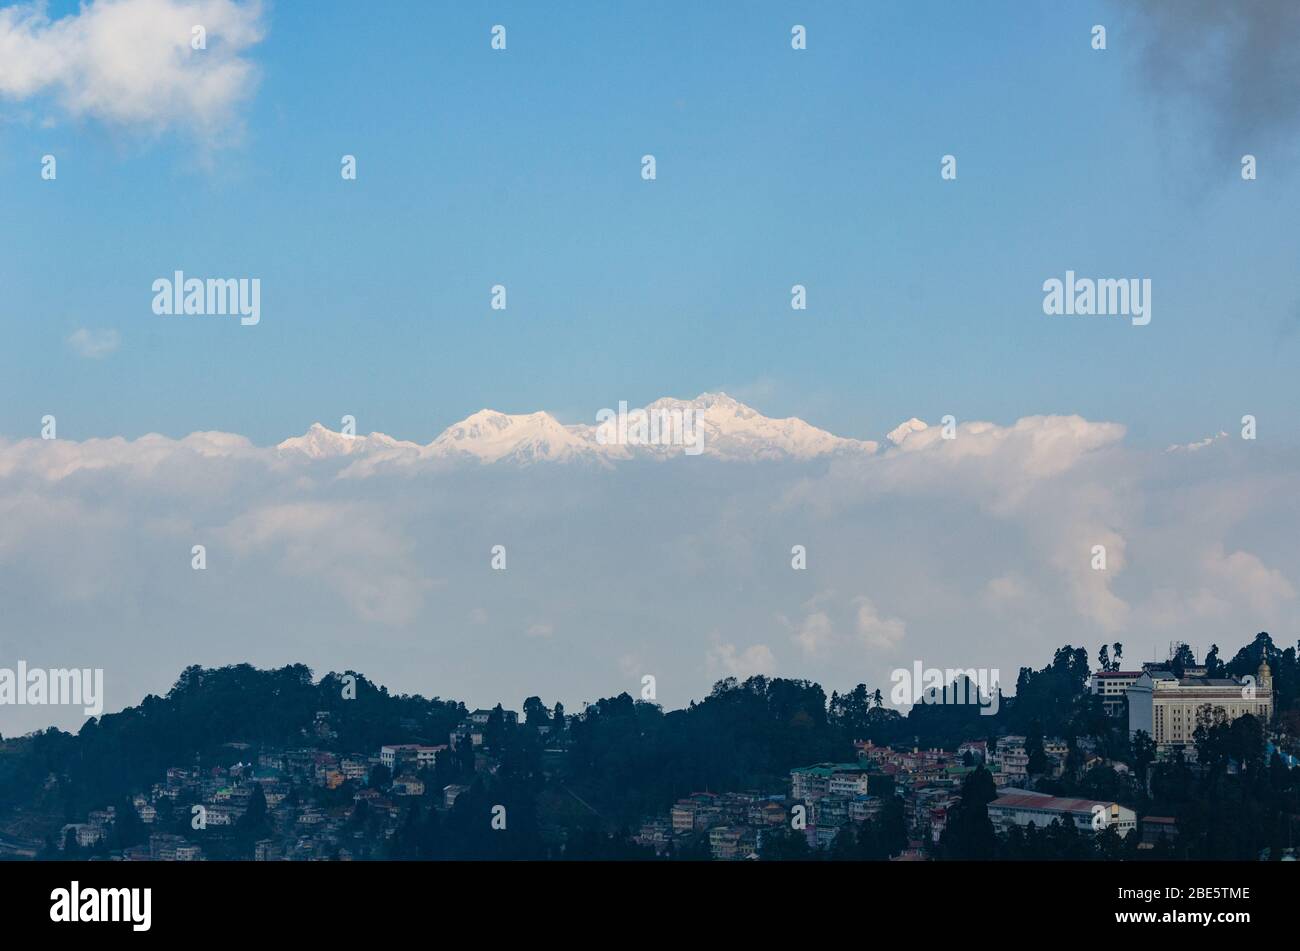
712, 424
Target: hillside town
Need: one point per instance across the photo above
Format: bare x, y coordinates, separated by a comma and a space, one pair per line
312, 802
311, 821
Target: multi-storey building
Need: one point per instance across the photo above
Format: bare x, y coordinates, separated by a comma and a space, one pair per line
85, 834
1010, 758
354, 768
830, 811
729, 843
408, 786
847, 782
864, 807
696, 812
656, 833
1111, 686
410, 755
768, 812
1166, 707
809, 783
1022, 807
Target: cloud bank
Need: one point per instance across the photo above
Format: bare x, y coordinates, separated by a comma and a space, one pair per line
972, 551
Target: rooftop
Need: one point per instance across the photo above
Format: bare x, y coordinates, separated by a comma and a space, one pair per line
1022, 799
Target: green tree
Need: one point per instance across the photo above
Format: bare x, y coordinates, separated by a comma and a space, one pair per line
494, 733
535, 712
1037, 765
1144, 754
255, 823
128, 830
785, 845
969, 832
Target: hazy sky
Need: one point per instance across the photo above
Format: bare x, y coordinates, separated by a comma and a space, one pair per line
522, 167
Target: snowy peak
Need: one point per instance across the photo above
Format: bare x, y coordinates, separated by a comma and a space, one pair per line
900, 432
733, 430
713, 401
712, 424
319, 442
489, 436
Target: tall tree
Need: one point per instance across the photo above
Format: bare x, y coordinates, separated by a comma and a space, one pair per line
1037, 765
255, 823
535, 712
494, 733
969, 832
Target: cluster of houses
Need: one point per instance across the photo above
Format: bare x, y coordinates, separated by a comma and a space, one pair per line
831, 796
216, 797
733, 822
822, 799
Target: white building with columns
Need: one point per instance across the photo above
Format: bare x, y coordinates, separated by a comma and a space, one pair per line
1166, 707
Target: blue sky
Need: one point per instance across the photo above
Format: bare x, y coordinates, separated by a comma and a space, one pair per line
775, 167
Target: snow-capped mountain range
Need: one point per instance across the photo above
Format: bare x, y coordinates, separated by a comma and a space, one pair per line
712, 424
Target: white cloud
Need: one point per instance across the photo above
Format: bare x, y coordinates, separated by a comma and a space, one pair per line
1008, 587
874, 630
1199, 444
346, 547
1091, 588
1245, 575
540, 630
1214, 589
815, 633
726, 660
94, 344
130, 62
